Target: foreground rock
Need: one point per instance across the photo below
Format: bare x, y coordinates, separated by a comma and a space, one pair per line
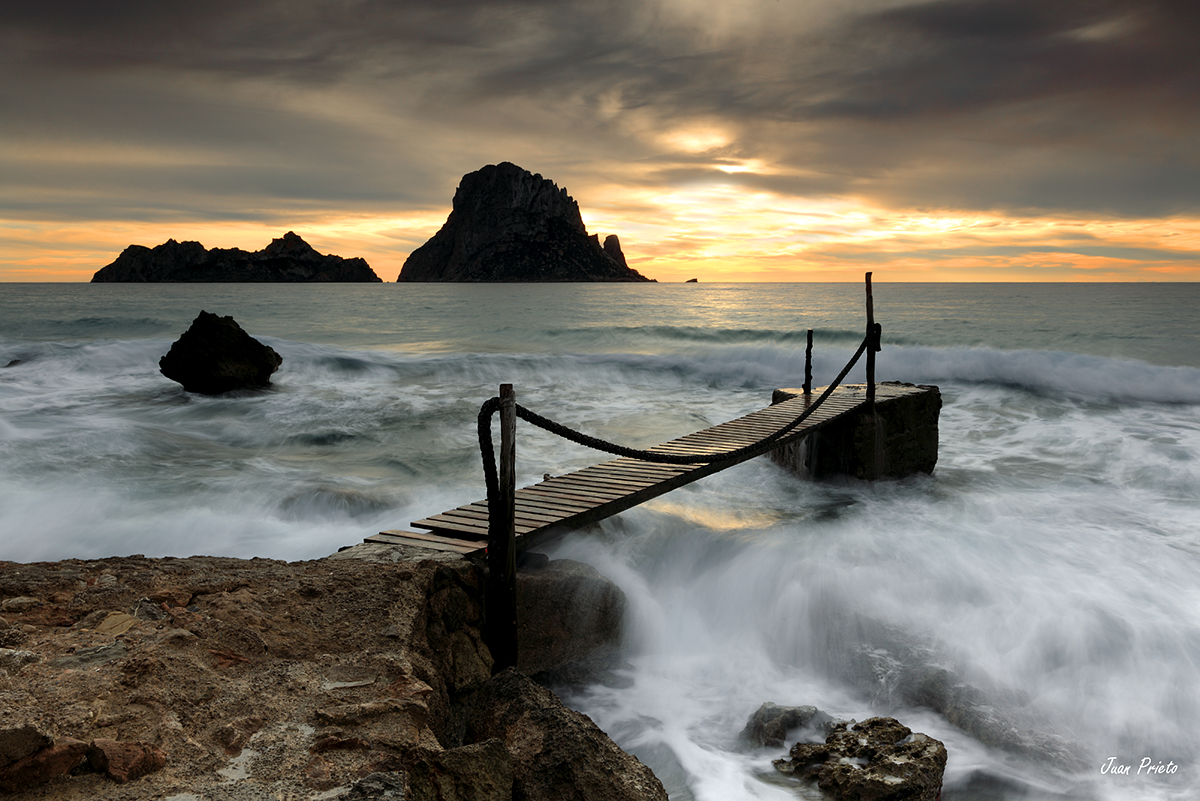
211, 678
215, 355
568, 619
288, 259
876, 760
508, 224
557, 753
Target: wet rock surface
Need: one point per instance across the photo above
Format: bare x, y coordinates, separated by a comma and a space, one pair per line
556, 752
876, 760
567, 613
215, 355
771, 724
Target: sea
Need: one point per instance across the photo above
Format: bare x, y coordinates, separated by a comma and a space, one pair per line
1051, 561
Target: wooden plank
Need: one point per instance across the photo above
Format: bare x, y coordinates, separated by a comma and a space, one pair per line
576, 499
541, 500
429, 544
420, 535
523, 515
563, 493
472, 516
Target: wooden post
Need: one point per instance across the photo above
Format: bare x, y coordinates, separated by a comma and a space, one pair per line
808, 365
501, 611
870, 349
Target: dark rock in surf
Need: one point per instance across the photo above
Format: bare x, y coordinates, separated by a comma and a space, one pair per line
556, 752
475, 772
288, 259
770, 723
876, 760
215, 355
568, 616
508, 224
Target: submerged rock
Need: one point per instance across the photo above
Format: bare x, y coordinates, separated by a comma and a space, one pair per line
508, 224
215, 355
876, 760
769, 725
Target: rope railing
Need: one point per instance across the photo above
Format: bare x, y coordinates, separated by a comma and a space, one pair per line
500, 626
492, 405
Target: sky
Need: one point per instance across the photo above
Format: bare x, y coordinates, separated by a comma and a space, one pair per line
746, 140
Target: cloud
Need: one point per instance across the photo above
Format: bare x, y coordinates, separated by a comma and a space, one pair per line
268, 109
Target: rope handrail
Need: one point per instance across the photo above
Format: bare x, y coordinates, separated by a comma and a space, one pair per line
490, 406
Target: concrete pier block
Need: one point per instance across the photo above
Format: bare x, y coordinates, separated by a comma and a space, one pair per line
900, 440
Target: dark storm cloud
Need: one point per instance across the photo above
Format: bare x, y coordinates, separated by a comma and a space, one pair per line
993, 104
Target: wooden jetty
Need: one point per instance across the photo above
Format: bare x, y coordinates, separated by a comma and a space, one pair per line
512, 520
560, 504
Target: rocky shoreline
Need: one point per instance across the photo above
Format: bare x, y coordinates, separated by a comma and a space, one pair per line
358, 676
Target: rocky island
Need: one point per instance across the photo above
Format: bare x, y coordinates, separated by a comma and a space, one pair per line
288, 259
510, 225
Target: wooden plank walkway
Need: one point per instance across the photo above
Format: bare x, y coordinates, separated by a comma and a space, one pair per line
560, 504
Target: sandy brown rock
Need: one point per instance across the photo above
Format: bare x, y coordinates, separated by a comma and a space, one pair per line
125, 761
42, 766
230, 689
233, 680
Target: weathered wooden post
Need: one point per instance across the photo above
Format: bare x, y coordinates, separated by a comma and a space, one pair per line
502, 545
870, 349
808, 365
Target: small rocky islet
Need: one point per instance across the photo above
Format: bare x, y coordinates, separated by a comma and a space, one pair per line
288, 259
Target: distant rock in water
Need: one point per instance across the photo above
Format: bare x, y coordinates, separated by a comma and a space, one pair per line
215, 355
508, 224
286, 260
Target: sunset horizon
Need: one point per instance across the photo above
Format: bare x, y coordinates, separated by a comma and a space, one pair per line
946, 141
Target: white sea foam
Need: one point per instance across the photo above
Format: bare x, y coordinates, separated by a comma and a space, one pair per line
1053, 553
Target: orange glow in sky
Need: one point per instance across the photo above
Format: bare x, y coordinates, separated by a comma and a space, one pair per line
712, 232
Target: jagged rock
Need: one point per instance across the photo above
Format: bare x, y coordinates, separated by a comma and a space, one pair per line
612, 246
20, 739
288, 259
44, 765
876, 760
566, 612
508, 224
377, 787
476, 772
125, 761
12, 660
769, 725
215, 355
556, 752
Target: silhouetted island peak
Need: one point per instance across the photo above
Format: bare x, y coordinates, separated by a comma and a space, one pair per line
288, 259
508, 224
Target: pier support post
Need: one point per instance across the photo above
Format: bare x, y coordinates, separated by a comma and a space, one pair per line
808, 364
898, 439
501, 612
